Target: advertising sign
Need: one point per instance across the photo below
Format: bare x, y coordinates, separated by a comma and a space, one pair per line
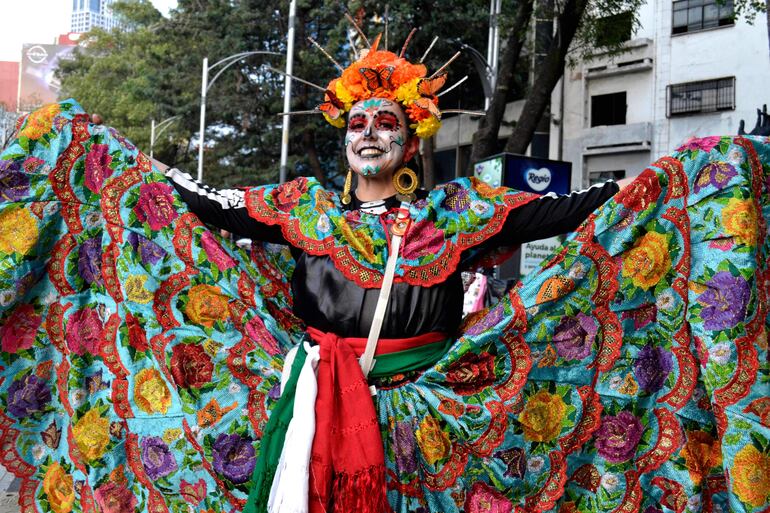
38, 82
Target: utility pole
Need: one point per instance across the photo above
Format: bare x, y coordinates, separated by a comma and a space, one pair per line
287, 92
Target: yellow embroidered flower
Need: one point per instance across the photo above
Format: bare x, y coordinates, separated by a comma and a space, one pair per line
648, 261
18, 231
427, 127
58, 488
135, 289
358, 240
92, 434
629, 385
151, 394
739, 218
433, 441
542, 417
171, 435
40, 122
701, 453
407, 93
751, 476
206, 305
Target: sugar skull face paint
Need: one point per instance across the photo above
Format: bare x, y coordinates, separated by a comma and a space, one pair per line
377, 132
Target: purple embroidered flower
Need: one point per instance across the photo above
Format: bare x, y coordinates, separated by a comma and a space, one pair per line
89, 260
716, 174
705, 144
275, 392
457, 199
652, 366
28, 395
122, 140
234, 457
725, 301
149, 252
492, 318
98, 169
618, 436
157, 458
403, 446
59, 122
516, 462
574, 336
14, 184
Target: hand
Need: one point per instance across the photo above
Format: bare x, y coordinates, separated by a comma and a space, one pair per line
96, 119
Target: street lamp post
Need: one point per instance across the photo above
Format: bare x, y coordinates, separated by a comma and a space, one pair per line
206, 85
287, 93
157, 129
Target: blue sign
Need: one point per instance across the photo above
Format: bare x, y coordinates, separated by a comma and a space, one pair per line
530, 174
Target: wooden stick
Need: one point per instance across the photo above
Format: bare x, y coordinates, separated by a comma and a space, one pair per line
445, 65
299, 112
445, 91
407, 41
473, 113
430, 47
358, 29
311, 84
313, 41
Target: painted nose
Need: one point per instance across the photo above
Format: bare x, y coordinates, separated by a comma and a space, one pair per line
368, 131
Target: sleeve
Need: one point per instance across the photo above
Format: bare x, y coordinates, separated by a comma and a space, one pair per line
553, 214
224, 209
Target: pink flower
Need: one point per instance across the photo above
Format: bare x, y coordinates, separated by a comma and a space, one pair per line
422, 239
114, 498
98, 169
155, 205
193, 493
482, 498
84, 332
31, 164
256, 330
215, 252
705, 144
18, 331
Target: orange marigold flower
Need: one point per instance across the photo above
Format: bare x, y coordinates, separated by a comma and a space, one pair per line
701, 453
751, 476
542, 417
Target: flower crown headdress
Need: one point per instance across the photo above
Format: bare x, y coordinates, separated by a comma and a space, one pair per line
383, 74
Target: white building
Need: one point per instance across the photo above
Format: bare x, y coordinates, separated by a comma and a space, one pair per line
691, 71
87, 14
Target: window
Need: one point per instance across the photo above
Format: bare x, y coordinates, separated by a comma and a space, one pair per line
614, 29
703, 96
595, 177
694, 15
608, 109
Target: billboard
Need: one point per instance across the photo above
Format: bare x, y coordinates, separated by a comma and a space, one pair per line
38, 83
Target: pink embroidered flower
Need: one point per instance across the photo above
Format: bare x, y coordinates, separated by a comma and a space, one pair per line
84, 332
155, 205
98, 169
115, 498
18, 331
482, 498
705, 144
215, 253
255, 329
422, 239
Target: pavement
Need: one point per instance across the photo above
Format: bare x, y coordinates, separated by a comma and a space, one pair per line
9, 492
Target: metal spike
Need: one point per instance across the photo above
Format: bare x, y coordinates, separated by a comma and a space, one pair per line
462, 111
353, 46
314, 43
407, 41
422, 59
445, 91
442, 68
358, 29
386, 27
311, 84
299, 112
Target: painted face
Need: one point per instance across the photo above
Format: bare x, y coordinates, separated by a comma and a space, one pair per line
376, 137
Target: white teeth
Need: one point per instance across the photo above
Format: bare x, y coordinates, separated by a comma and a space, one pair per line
370, 152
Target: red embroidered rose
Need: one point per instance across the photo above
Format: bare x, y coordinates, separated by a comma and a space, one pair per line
642, 192
471, 373
98, 168
215, 253
190, 366
155, 205
136, 335
84, 332
482, 498
18, 331
422, 239
286, 196
115, 498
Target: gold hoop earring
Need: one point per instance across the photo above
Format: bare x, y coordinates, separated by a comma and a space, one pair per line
346, 188
405, 190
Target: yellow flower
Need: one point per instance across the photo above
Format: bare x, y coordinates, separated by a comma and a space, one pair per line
629, 385
358, 240
172, 434
427, 127
18, 231
40, 122
751, 476
92, 434
407, 93
344, 95
336, 123
739, 218
58, 488
135, 289
206, 305
151, 394
701, 453
542, 416
648, 261
433, 441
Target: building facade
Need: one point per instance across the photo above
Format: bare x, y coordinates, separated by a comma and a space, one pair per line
690, 71
88, 14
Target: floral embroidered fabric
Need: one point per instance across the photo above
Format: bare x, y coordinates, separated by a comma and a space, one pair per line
141, 354
454, 217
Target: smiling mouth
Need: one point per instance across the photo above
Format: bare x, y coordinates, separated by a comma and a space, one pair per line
370, 152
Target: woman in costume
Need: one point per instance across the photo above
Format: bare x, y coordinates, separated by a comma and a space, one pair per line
142, 356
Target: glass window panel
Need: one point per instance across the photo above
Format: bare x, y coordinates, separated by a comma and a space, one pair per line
695, 17
680, 19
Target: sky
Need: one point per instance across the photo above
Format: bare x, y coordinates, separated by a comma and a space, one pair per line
40, 21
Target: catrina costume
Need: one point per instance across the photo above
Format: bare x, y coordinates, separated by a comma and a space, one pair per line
148, 365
